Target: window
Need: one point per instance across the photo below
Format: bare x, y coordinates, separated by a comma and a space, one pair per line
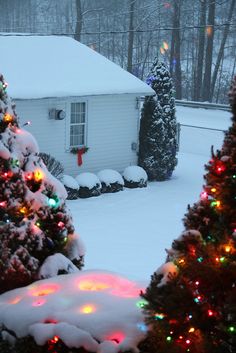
77, 124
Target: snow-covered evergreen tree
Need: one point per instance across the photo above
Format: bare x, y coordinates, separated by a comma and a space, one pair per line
158, 127
37, 237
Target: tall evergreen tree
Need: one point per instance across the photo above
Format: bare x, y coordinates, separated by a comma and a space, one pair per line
158, 127
191, 302
36, 232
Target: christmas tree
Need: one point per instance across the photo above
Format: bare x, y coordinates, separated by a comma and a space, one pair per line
158, 127
37, 237
191, 305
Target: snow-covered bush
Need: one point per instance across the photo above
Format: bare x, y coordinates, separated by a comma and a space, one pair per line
71, 186
55, 167
89, 185
91, 311
111, 180
135, 177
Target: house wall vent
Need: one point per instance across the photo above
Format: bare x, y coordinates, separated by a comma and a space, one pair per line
57, 114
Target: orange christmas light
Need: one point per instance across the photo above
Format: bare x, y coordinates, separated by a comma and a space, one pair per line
44, 290
8, 118
209, 30
23, 210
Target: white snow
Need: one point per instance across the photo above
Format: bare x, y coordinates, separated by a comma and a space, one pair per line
128, 232
54, 263
135, 173
56, 66
88, 180
168, 271
97, 310
109, 176
70, 182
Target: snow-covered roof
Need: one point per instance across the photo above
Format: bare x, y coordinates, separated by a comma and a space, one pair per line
57, 66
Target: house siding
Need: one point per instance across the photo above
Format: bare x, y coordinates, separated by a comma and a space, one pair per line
112, 127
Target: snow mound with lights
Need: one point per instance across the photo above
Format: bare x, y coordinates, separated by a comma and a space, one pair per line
98, 311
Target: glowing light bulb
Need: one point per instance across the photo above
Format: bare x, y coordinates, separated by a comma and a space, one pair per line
209, 31
8, 118
168, 338
23, 210
231, 329
204, 195
162, 50
88, 309
165, 45
228, 248
210, 313
188, 341
38, 175
192, 329
159, 316
61, 224
213, 189
141, 303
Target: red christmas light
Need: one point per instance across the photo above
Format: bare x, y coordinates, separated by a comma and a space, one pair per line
219, 167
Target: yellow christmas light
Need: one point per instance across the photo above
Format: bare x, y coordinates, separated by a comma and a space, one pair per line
87, 309
8, 118
192, 329
213, 189
38, 175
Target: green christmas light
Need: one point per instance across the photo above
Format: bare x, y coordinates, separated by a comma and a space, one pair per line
141, 303
222, 259
168, 338
200, 259
53, 201
231, 329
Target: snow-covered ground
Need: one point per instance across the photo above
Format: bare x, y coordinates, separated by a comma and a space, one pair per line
127, 232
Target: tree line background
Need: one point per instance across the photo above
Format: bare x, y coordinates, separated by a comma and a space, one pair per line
195, 38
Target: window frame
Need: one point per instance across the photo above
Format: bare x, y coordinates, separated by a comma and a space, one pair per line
85, 124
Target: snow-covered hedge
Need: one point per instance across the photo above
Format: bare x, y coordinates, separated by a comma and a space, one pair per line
71, 186
89, 185
135, 177
88, 311
111, 180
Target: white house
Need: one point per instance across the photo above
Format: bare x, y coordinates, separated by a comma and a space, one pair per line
74, 97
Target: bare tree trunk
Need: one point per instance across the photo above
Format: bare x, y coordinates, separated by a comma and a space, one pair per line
222, 46
175, 64
206, 89
131, 36
201, 47
79, 18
